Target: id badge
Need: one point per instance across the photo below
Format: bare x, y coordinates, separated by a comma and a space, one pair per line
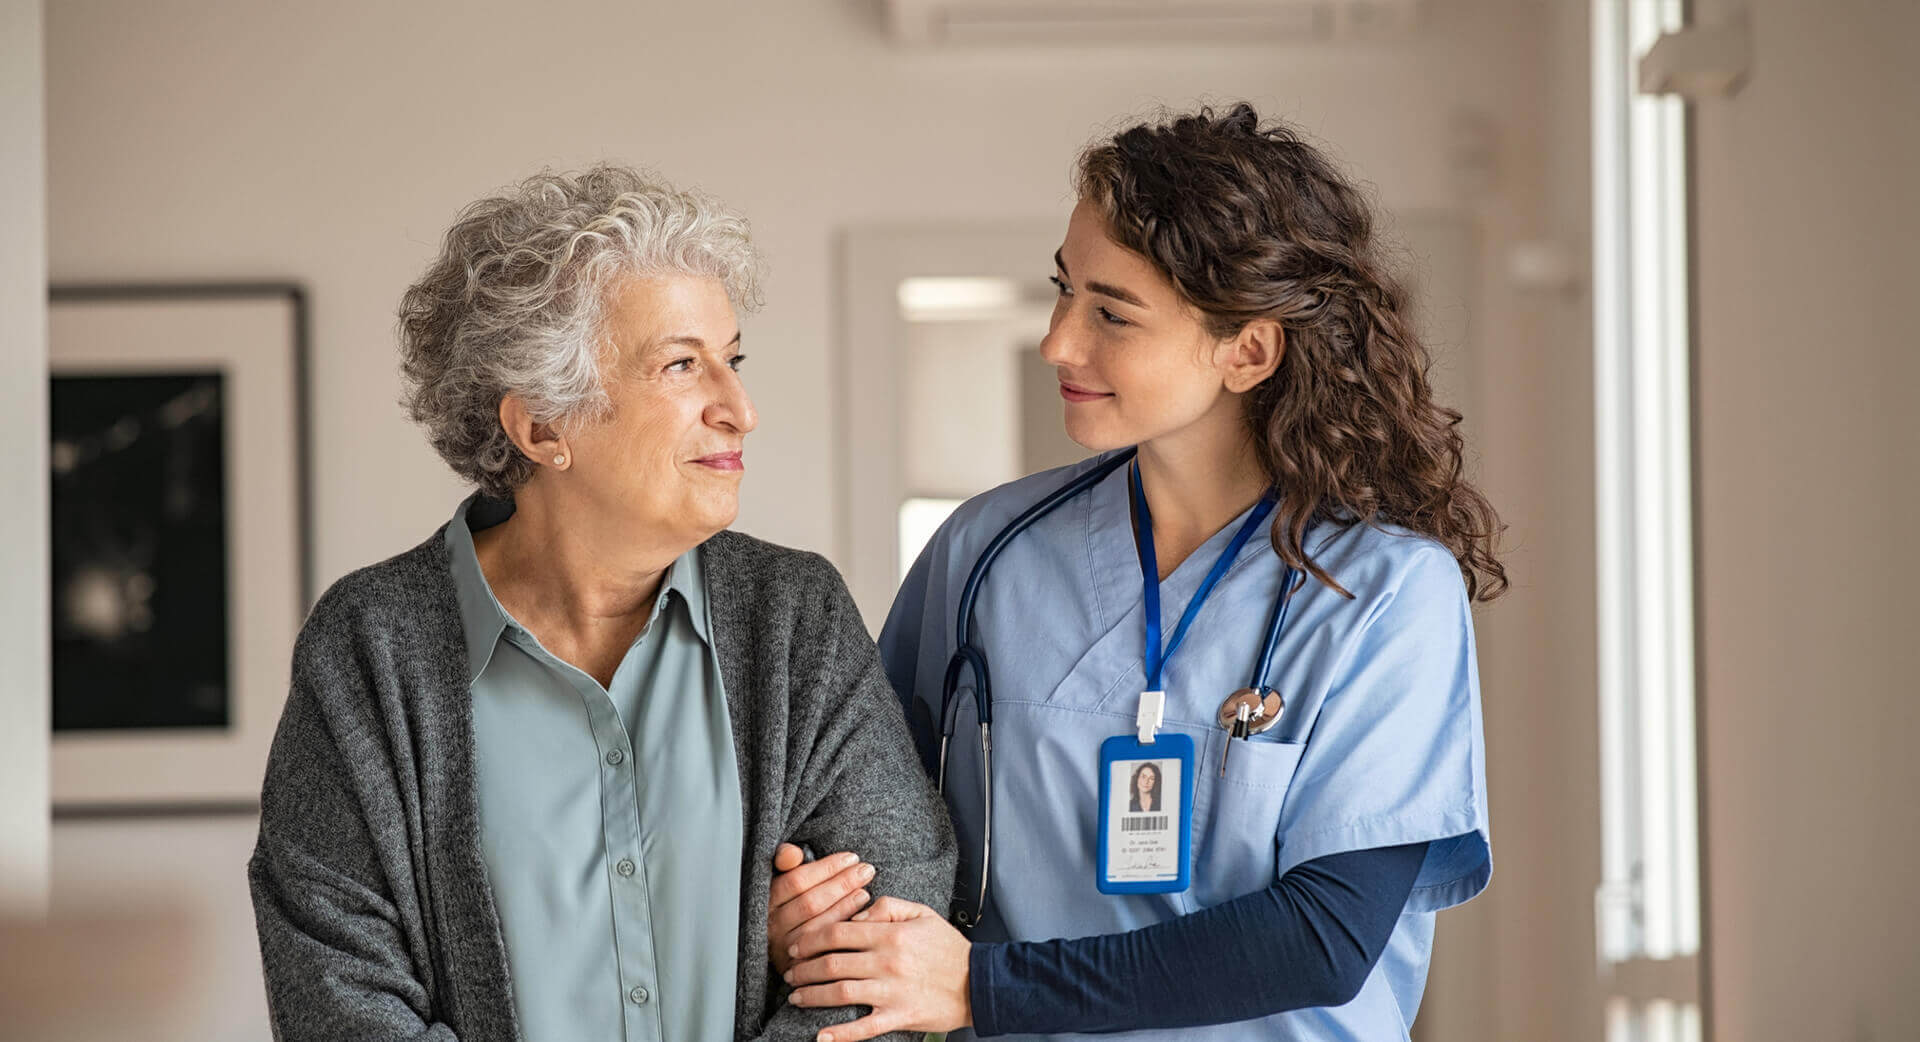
1146, 814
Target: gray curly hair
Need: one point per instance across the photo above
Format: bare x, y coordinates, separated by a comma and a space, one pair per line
515, 303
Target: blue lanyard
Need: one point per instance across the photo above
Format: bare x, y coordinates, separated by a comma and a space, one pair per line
1150, 576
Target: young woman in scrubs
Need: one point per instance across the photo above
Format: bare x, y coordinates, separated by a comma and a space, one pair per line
1224, 306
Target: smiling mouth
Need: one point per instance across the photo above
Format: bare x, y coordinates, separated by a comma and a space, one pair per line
724, 461
1080, 394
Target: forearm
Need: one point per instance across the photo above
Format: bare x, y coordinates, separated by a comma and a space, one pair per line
870, 797
1309, 940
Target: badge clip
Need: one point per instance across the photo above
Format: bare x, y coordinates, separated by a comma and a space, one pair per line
1153, 710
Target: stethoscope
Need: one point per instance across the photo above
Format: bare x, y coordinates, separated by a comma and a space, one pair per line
1248, 711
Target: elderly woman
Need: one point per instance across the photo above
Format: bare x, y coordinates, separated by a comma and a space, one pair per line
532, 773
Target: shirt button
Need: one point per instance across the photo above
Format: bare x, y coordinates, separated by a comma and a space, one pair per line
616, 757
639, 996
625, 868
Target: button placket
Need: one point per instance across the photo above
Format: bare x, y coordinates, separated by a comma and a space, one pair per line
619, 819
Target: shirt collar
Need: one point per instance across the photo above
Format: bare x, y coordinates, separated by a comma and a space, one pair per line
688, 578
482, 618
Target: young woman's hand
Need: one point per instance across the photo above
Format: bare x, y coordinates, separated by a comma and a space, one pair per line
810, 895
903, 959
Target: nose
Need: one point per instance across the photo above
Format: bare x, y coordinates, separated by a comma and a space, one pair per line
731, 407
1061, 347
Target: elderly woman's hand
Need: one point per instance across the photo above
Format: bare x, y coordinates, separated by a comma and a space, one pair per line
901, 958
810, 895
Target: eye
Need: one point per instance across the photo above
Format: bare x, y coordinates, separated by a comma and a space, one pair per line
1111, 319
680, 365
1060, 285
734, 362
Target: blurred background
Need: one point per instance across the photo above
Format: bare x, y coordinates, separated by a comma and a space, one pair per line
1662, 250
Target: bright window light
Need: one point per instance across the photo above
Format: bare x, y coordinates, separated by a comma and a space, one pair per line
938, 299
1648, 907
919, 519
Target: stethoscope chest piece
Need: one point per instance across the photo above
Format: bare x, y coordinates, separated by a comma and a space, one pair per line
1263, 710
1248, 711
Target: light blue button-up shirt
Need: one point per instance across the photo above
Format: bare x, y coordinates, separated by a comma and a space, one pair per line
610, 817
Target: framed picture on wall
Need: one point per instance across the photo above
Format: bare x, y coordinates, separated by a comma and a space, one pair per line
180, 548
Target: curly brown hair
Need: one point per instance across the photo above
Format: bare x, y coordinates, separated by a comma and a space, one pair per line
1249, 221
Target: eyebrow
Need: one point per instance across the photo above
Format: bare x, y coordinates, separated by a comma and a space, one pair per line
689, 340
1103, 288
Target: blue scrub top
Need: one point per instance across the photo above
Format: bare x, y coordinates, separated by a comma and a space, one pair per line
1380, 743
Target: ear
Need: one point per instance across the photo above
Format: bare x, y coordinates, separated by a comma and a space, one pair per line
1253, 354
539, 442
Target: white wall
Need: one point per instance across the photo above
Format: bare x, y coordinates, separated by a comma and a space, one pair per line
332, 143
1809, 449
24, 637
1518, 963
960, 398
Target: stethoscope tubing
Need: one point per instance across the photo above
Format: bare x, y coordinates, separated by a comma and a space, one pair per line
969, 656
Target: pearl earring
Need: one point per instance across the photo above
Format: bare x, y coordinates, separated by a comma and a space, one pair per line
560, 461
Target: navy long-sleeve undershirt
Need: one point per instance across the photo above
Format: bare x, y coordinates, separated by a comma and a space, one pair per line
1308, 940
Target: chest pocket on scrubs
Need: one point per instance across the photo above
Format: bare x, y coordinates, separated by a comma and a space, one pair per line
1238, 816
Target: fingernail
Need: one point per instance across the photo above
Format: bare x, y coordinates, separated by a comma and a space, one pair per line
787, 976
859, 917
793, 997
867, 871
793, 951
826, 1036
861, 895
847, 860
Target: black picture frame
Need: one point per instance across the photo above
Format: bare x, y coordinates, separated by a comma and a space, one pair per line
258, 333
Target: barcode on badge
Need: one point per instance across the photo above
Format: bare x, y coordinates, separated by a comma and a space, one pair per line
1144, 823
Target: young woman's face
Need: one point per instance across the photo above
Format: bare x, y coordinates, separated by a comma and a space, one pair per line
1134, 361
1148, 779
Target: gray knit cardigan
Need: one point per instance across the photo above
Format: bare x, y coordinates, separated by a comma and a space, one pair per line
375, 917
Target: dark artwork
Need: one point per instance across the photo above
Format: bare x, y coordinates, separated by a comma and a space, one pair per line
139, 552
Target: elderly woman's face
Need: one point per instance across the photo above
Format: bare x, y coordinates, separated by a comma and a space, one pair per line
670, 457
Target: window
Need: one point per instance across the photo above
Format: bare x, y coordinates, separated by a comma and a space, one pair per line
920, 517
1648, 905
